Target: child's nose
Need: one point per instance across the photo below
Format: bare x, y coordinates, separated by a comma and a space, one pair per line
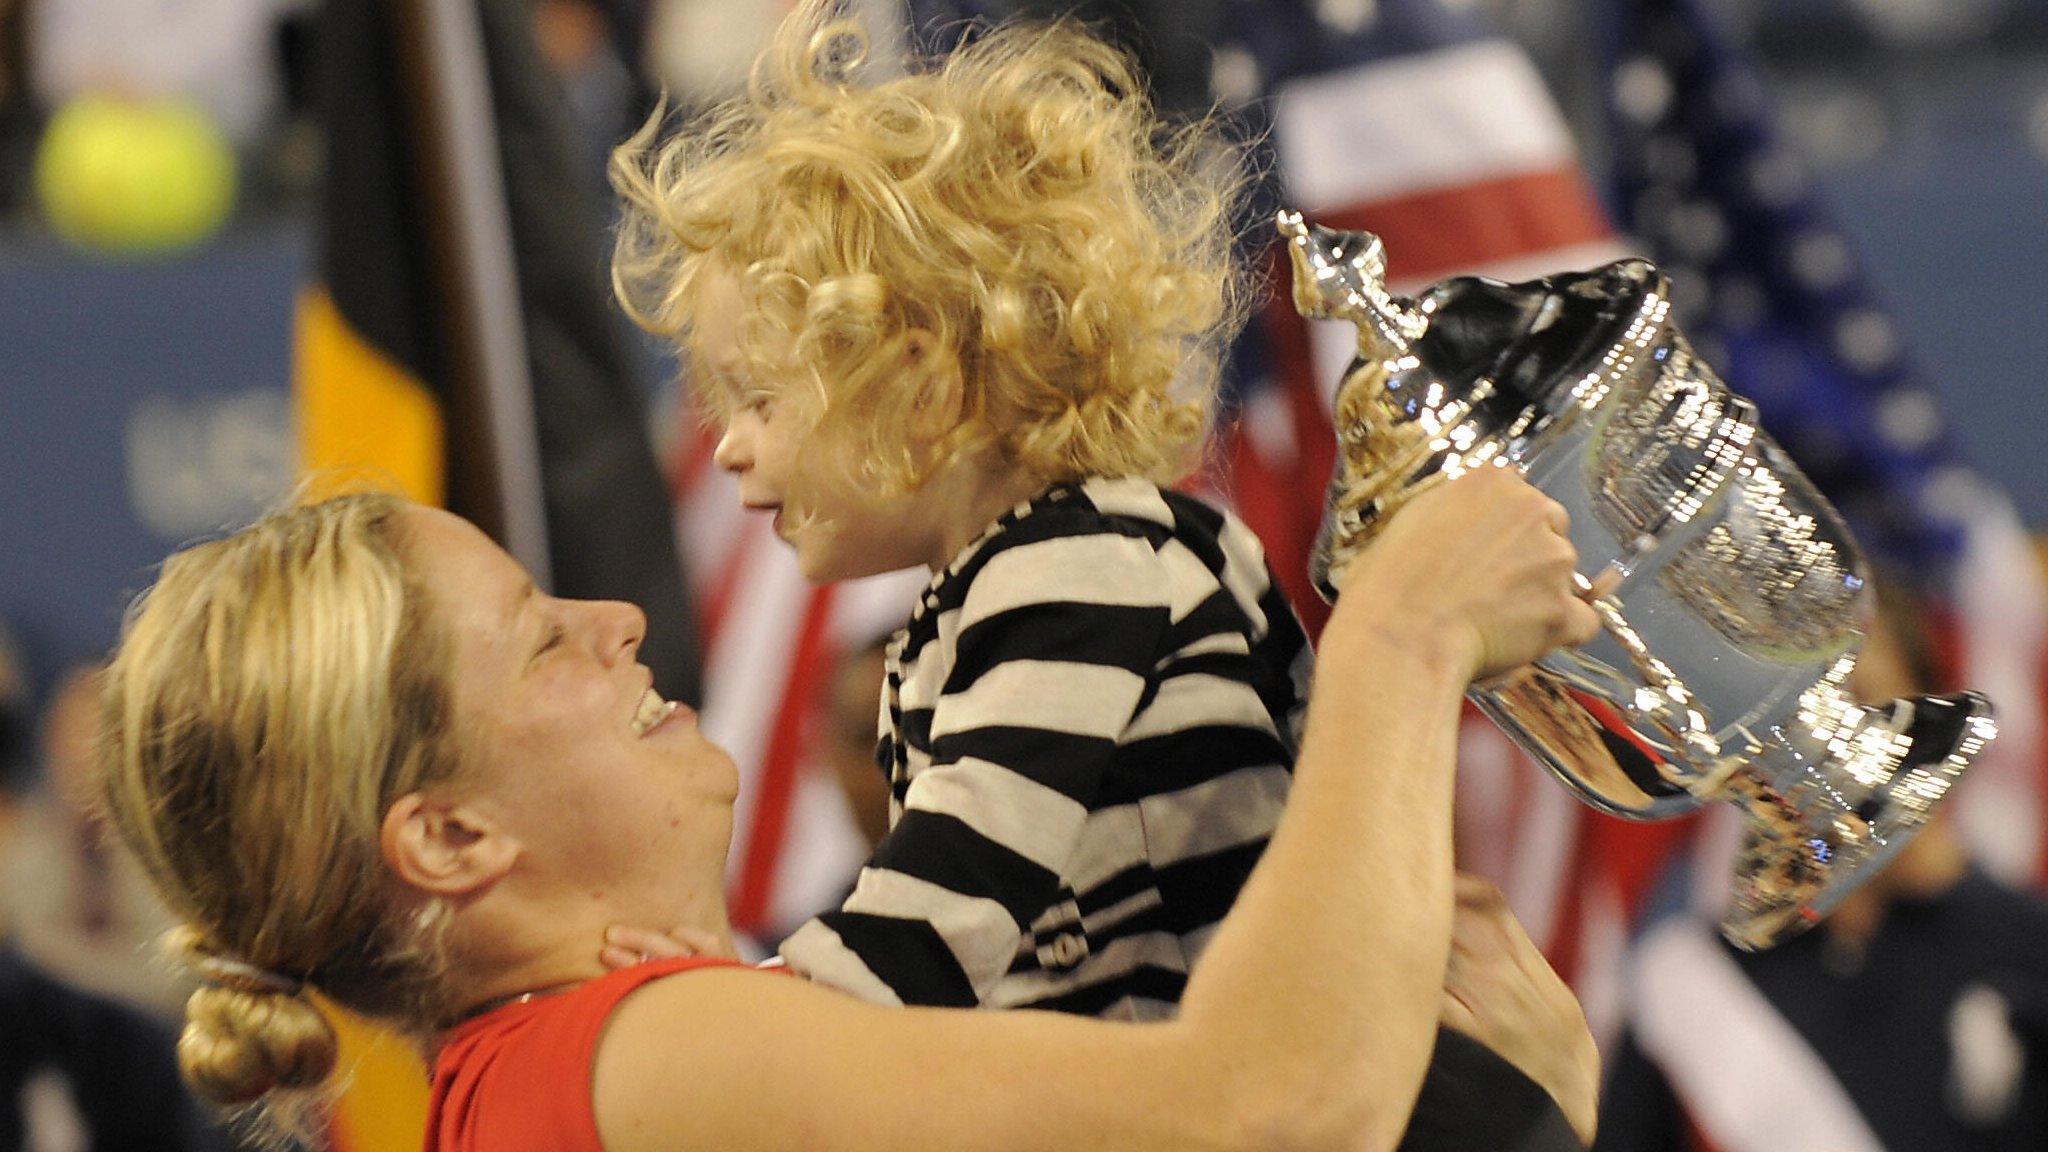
732, 454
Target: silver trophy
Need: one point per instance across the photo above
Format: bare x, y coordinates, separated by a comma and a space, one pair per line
1720, 673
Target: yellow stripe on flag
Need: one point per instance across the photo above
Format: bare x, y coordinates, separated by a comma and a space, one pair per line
362, 417
360, 414
383, 1105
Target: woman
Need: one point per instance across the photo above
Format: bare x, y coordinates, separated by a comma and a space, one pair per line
360, 754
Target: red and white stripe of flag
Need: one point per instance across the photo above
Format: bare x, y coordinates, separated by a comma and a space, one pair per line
2002, 618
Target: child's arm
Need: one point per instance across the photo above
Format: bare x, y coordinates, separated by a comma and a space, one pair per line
1053, 653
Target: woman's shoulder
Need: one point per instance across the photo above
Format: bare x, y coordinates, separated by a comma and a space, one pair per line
518, 1077
551, 1012
723, 1057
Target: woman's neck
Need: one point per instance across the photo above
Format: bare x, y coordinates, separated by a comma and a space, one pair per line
511, 951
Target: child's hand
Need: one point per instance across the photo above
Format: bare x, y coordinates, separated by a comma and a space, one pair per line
1500, 991
1480, 568
625, 946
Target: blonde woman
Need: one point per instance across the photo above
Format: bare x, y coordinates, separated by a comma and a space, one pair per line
361, 755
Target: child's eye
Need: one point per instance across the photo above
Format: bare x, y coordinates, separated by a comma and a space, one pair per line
758, 401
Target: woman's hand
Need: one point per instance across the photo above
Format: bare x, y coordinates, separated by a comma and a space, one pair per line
625, 946
1500, 991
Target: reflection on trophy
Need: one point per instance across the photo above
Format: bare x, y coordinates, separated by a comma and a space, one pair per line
1720, 671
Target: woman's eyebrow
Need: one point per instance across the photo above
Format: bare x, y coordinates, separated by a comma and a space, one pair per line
516, 605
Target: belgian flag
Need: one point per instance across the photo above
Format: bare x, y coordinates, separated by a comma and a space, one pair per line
461, 338
460, 342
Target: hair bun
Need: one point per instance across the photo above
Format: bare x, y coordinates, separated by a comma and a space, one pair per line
240, 1044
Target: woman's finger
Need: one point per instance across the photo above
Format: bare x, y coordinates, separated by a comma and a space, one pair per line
702, 943
650, 945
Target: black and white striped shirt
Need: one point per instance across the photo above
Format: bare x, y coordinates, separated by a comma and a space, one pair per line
1089, 725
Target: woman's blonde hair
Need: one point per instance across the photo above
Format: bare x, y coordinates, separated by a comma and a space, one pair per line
271, 695
1018, 200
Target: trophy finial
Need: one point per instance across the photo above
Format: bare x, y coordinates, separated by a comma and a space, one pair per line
1343, 276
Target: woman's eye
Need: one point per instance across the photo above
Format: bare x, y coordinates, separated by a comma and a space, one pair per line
552, 641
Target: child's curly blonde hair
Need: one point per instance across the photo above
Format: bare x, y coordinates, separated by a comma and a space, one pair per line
1018, 200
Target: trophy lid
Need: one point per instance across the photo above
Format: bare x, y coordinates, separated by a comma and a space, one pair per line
1505, 359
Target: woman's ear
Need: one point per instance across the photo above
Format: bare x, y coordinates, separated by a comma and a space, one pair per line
444, 848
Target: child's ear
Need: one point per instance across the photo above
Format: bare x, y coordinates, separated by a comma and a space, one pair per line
941, 402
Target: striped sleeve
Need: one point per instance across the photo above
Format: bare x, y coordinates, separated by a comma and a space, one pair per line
1046, 660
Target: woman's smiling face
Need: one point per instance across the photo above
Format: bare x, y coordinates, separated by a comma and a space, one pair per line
610, 791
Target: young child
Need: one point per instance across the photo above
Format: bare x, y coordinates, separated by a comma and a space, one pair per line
969, 317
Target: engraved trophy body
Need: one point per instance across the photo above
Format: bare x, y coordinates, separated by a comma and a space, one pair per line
1720, 671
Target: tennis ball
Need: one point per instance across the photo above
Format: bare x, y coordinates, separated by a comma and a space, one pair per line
134, 177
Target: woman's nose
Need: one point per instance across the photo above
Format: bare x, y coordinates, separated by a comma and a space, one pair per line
620, 629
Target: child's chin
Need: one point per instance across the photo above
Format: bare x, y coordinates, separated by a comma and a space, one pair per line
820, 569
823, 569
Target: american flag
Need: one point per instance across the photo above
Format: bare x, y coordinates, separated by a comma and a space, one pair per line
1772, 293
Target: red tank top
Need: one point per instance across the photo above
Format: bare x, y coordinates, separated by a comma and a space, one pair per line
519, 1077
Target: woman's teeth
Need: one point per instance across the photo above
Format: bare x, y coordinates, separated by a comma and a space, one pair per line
653, 710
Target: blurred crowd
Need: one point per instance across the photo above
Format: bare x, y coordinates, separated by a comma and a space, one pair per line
86, 1005
216, 94
107, 104
102, 100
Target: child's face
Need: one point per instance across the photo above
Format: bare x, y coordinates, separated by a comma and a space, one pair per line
839, 529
